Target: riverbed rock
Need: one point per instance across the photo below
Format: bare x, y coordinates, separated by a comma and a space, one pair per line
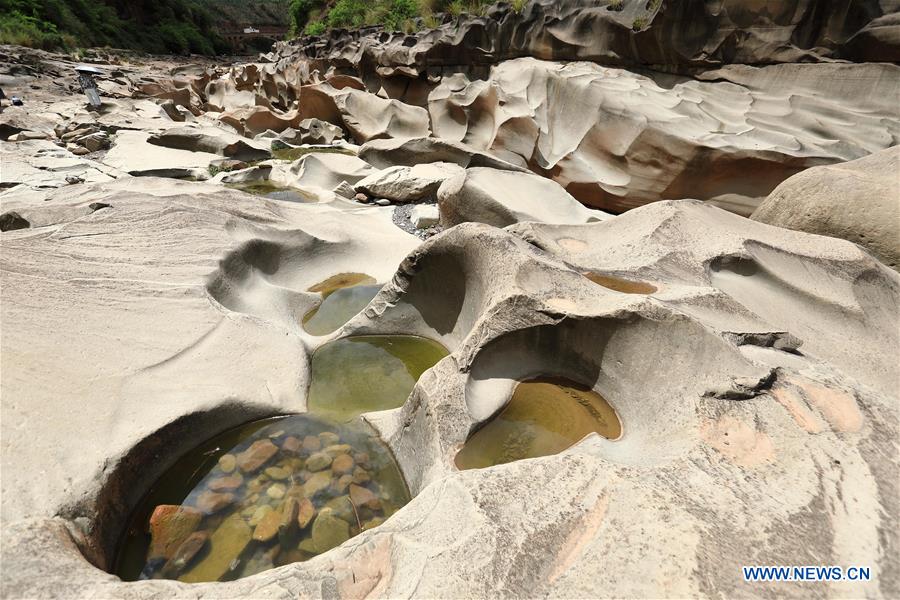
185, 553
362, 496
228, 463
268, 525
312, 443
502, 198
329, 531
258, 454
856, 201
211, 502
385, 153
408, 184
342, 464
753, 367
10, 221
725, 137
170, 526
424, 216
305, 513
316, 483
210, 140
316, 131
326, 171
226, 484
318, 461
226, 543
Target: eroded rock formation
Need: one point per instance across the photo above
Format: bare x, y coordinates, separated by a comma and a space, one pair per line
752, 367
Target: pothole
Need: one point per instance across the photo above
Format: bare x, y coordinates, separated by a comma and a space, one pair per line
343, 297
359, 374
262, 495
545, 416
274, 192
618, 284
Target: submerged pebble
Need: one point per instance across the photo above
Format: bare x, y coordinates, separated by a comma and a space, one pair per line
283, 493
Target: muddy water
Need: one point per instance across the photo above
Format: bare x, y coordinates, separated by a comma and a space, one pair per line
625, 286
361, 374
343, 297
259, 496
274, 192
544, 416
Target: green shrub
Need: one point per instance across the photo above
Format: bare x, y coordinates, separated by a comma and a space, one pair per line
347, 13
519, 5
315, 28
616, 5
639, 23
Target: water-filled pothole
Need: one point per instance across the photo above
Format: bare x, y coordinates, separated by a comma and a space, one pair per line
262, 495
617, 284
274, 192
544, 416
343, 297
368, 373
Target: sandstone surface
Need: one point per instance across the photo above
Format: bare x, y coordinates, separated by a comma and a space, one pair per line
752, 366
856, 201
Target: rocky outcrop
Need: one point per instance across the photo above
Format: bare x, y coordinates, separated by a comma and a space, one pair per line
389, 152
502, 198
408, 184
856, 201
210, 140
680, 36
197, 322
730, 138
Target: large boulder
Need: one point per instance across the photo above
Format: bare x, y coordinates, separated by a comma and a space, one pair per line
408, 184
325, 171
364, 115
384, 153
211, 140
857, 201
133, 153
501, 198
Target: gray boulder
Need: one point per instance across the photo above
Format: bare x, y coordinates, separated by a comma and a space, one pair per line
857, 201
211, 140
408, 184
501, 198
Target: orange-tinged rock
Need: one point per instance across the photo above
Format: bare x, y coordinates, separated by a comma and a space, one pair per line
267, 527
212, 502
305, 513
258, 454
342, 464
170, 526
226, 484
312, 443
362, 496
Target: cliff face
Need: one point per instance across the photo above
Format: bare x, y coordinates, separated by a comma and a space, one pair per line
683, 36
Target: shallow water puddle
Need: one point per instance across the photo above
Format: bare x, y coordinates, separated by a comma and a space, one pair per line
274, 192
544, 416
368, 373
259, 496
617, 284
343, 297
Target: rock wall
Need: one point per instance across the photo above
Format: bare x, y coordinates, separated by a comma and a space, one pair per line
681, 36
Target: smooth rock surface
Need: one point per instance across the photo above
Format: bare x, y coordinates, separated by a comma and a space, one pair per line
501, 198
408, 184
857, 201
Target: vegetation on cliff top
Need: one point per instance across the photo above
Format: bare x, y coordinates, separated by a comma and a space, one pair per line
154, 26
314, 17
